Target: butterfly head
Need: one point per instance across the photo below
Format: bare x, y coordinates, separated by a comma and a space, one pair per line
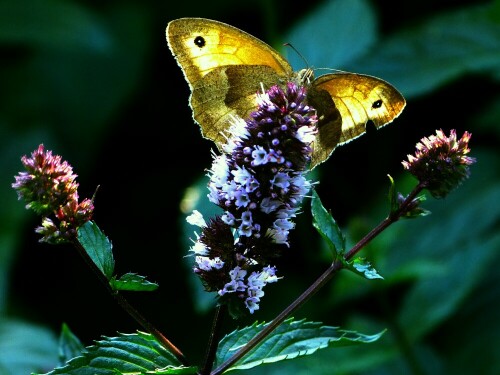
305, 76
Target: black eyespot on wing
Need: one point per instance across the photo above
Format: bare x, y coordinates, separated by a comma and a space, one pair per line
377, 104
200, 41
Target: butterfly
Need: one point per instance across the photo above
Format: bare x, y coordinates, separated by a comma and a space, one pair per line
225, 67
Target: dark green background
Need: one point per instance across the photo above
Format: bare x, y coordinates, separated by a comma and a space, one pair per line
96, 83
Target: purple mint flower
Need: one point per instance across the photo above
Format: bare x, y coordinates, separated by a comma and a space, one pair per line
259, 182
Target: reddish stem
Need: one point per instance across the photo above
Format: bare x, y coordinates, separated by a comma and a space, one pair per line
321, 281
123, 302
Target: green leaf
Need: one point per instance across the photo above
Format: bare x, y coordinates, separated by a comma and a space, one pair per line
393, 195
174, 370
396, 199
326, 226
25, 347
416, 210
132, 282
487, 121
342, 30
474, 325
135, 353
423, 58
102, 51
98, 247
290, 340
169, 370
52, 23
69, 345
363, 268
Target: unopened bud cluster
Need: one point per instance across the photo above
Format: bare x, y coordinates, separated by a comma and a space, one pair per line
441, 163
49, 188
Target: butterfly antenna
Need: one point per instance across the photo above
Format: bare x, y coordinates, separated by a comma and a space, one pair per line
307, 74
309, 70
298, 53
333, 70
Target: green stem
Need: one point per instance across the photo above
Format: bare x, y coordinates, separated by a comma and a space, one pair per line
123, 302
320, 282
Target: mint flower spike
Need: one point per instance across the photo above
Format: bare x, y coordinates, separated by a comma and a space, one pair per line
441, 163
48, 187
47, 183
259, 182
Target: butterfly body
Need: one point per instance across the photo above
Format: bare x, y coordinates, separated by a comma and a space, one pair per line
226, 67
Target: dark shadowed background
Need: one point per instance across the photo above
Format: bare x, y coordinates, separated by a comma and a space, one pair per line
96, 83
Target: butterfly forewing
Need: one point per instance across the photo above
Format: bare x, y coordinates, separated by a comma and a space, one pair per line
201, 45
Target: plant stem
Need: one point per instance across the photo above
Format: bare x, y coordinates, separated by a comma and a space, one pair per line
295, 305
320, 282
213, 340
123, 302
392, 218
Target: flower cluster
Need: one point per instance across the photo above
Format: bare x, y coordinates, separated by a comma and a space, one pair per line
49, 188
259, 183
440, 162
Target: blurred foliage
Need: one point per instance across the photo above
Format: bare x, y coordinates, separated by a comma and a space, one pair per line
95, 82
